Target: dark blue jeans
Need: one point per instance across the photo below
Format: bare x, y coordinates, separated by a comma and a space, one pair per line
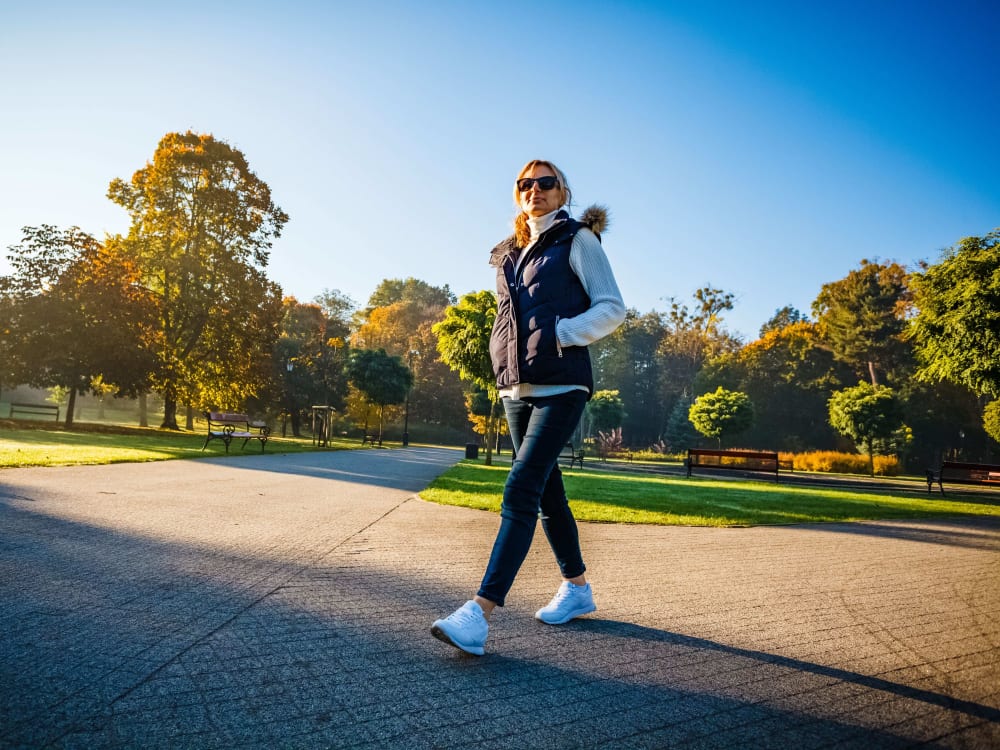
539, 429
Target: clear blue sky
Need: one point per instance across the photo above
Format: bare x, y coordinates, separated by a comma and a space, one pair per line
764, 148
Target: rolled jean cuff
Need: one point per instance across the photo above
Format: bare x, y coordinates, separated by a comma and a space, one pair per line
498, 600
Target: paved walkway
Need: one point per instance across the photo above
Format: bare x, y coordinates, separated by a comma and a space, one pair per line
285, 601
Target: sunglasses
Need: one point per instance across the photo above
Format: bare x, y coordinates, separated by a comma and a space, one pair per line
544, 183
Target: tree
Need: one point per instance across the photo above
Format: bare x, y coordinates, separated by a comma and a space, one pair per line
862, 317
789, 376
605, 411
76, 315
629, 361
338, 309
202, 227
308, 363
691, 339
722, 413
464, 345
782, 318
991, 420
957, 327
867, 414
680, 434
381, 378
390, 291
402, 322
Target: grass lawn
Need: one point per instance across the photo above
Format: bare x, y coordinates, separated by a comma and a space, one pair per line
105, 445
615, 497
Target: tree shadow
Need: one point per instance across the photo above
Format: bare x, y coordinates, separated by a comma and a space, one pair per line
977, 532
114, 639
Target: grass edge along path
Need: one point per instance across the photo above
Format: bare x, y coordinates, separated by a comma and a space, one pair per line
23, 448
616, 497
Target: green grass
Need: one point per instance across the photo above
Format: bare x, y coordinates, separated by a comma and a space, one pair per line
90, 444
615, 497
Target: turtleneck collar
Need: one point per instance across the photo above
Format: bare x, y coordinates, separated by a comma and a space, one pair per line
538, 224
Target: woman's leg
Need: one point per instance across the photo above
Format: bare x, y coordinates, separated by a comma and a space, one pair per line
560, 528
539, 427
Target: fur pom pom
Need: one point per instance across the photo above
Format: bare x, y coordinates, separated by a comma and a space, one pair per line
597, 218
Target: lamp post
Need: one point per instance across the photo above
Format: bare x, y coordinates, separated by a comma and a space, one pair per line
284, 412
406, 419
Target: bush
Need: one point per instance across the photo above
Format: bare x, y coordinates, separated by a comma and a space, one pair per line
841, 463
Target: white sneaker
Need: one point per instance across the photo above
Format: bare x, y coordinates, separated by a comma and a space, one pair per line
465, 628
570, 601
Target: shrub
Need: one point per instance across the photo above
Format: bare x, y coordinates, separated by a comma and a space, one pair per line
841, 463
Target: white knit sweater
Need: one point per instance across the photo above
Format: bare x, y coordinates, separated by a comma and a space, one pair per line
606, 312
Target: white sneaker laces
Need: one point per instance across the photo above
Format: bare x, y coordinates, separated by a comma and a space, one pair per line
463, 617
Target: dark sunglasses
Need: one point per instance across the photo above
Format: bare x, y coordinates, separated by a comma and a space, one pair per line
544, 183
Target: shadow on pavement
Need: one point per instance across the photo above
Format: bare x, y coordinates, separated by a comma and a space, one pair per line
117, 640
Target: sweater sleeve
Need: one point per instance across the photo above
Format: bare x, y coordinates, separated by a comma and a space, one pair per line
607, 309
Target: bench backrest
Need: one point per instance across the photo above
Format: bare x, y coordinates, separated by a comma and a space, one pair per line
222, 416
965, 472
35, 410
751, 459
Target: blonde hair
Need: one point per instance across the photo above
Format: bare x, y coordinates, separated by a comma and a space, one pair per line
522, 232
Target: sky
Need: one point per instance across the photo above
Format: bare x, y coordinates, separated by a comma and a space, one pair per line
760, 148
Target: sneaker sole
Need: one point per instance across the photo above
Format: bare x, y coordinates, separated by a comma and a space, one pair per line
445, 638
571, 616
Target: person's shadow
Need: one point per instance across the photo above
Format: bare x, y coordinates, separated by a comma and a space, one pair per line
630, 632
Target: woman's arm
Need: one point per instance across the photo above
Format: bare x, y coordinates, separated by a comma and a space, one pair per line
607, 310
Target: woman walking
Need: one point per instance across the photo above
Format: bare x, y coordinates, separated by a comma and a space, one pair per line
556, 294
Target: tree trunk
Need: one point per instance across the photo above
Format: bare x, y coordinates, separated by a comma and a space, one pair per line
490, 431
169, 411
189, 422
70, 406
871, 373
143, 411
296, 419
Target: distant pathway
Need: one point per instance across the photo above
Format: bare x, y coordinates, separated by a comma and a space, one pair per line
284, 601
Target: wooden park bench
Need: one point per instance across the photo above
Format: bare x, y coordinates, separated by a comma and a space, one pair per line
575, 456
746, 461
371, 440
226, 426
34, 410
953, 472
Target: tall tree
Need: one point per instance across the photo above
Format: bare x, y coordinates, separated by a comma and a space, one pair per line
867, 414
863, 316
339, 309
410, 289
692, 338
202, 227
400, 319
464, 345
957, 327
629, 361
789, 375
308, 363
782, 318
76, 315
382, 379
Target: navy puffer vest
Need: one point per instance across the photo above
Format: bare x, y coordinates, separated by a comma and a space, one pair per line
523, 344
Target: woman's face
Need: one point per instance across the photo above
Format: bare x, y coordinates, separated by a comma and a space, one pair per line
538, 202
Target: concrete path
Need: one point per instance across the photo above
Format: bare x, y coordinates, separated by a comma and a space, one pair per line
285, 601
